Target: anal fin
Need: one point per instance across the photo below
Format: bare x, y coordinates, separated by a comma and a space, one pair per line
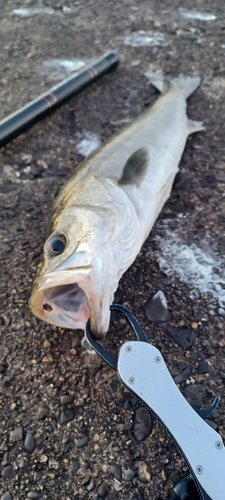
195, 126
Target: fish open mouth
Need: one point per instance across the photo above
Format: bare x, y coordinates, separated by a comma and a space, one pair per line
66, 301
66, 305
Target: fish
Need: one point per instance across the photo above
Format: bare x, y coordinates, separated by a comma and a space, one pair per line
106, 210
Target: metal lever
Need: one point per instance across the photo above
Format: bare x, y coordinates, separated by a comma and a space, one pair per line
141, 368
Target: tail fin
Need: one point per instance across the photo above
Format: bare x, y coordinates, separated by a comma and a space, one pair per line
185, 84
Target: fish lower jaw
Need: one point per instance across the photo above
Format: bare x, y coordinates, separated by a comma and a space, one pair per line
66, 306
60, 318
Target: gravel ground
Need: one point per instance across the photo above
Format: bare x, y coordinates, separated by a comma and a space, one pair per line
69, 430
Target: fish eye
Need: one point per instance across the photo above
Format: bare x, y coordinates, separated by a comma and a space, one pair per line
57, 244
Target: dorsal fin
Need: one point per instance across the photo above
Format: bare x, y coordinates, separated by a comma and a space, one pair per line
135, 167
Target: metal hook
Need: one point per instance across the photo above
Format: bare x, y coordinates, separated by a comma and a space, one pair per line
107, 356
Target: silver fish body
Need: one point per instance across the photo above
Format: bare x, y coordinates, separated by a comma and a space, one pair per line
106, 210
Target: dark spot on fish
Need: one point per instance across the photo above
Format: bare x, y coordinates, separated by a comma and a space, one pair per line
135, 167
47, 307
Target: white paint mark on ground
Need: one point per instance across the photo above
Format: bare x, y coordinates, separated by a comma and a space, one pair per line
89, 142
203, 272
201, 16
61, 68
145, 39
34, 12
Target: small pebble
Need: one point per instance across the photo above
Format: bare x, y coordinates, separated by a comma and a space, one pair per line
103, 489
76, 465
164, 475
204, 367
84, 380
16, 434
33, 494
181, 182
82, 442
194, 395
6, 496
29, 443
129, 475
86, 455
43, 459
7, 471
52, 463
47, 344
66, 416
182, 336
5, 382
116, 471
9, 423
3, 446
5, 459
42, 164
5, 247
91, 485
183, 375
36, 476
113, 385
66, 399
42, 413
136, 63
138, 495
195, 311
142, 424
26, 158
143, 472
86, 479
47, 359
209, 350
26, 422
156, 308
21, 464
76, 342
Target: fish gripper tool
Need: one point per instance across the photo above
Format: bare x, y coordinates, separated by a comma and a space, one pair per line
141, 368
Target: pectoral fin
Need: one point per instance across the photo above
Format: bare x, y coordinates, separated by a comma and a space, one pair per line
135, 167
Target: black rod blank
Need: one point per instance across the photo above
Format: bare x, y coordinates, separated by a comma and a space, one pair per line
26, 116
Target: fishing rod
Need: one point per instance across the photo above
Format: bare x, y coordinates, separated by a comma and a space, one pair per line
141, 369
29, 114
